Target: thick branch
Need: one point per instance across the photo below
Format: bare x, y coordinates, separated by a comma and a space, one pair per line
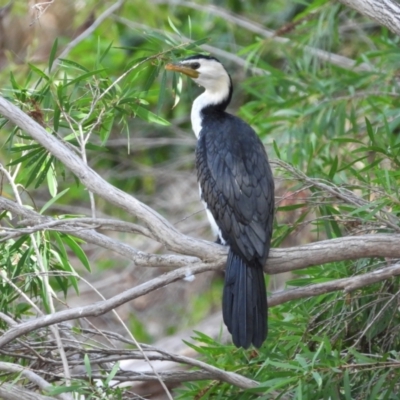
159, 227
280, 260
333, 250
385, 12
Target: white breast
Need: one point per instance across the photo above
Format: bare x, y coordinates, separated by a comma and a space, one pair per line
195, 115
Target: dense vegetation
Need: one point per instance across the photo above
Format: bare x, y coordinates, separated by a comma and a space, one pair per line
319, 84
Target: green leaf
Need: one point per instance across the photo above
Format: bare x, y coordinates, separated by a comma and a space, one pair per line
53, 53
73, 64
34, 173
53, 200
334, 167
370, 130
88, 367
39, 72
32, 156
83, 77
174, 28
44, 172
112, 373
161, 97
56, 118
73, 245
346, 385
52, 183
148, 116
105, 52
276, 149
56, 390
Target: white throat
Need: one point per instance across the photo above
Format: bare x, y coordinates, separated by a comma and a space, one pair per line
207, 98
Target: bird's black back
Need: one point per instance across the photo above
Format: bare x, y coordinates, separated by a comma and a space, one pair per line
237, 184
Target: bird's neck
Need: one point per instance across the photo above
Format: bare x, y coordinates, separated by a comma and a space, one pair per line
209, 102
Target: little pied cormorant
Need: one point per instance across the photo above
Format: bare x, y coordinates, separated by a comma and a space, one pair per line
237, 187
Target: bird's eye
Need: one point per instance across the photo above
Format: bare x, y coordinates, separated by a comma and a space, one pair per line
195, 65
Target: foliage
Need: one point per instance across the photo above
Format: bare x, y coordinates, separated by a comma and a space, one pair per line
332, 132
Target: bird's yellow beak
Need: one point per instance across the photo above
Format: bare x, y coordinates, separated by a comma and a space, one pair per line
192, 73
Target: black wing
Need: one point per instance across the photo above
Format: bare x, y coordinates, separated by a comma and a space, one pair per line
237, 185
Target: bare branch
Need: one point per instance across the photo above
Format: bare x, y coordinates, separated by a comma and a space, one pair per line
345, 284
15, 392
385, 12
140, 258
181, 376
229, 377
332, 250
32, 376
102, 307
280, 260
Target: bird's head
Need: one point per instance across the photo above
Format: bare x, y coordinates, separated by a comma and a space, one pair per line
206, 71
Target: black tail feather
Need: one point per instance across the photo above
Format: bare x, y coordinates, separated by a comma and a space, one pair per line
244, 302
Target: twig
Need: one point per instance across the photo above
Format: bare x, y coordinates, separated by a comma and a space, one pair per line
102, 307
225, 376
343, 194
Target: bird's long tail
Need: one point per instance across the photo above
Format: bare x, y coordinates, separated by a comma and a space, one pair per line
244, 302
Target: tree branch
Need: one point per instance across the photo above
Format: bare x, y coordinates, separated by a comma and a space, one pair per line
32, 376
279, 260
345, 284
385, 12
160, 229
140, 258
102, 307
15, 392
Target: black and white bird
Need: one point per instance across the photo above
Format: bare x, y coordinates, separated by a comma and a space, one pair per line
237, 187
